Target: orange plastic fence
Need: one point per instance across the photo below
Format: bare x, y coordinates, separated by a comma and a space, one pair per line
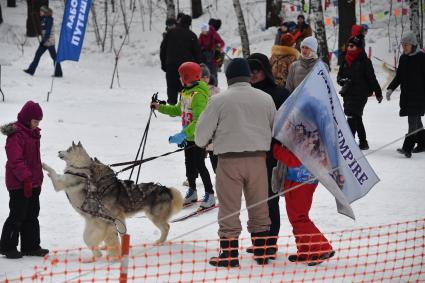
390, 253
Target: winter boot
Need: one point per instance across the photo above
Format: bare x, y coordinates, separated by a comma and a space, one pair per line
38, 252
12, 254
259, 241
363, 145
191, 196
311, 259
420, 139
271, 248
229, 254
207, 201
408, 144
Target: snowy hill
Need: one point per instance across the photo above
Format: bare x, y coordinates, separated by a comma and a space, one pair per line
110, 124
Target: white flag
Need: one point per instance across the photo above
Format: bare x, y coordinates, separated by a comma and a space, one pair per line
313, 126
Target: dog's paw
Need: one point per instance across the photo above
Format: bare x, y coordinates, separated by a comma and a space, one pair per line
46, 167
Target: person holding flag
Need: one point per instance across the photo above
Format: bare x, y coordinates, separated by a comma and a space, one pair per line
47, 42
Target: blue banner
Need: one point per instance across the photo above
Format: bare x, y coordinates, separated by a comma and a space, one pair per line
312, 124
73, 28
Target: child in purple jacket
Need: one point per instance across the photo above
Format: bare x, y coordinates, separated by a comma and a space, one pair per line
24, 177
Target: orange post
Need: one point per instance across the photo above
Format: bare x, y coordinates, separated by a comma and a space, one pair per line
125, 249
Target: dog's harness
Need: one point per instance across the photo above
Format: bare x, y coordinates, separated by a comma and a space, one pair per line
93, 205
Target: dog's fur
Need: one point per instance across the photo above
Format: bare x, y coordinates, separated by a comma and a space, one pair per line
98, 229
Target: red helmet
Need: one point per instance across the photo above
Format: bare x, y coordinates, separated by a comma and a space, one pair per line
190, 72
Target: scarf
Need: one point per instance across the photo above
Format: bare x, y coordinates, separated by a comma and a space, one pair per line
350, 56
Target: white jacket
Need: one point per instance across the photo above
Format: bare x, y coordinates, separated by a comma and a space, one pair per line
240, 119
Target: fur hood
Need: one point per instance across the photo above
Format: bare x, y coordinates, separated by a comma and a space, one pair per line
8, 129
279, 50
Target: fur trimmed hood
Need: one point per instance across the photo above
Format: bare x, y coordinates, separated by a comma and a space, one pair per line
279, 50
8, 129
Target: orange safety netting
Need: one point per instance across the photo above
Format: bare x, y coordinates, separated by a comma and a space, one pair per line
391, 253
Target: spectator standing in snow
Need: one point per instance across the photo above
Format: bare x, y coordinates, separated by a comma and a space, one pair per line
283, 55
210, 41
262, 79
179, 45
312, 246
410, 76
302, 31
24, 178
239, 121
357, 78
285, 27
193, 100
47, 42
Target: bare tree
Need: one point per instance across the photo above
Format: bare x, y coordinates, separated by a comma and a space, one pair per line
347, 18
319, 23
273, 10
1, 15
242, 28
33, 19
95, 24
196, 8
414, 20
171, 9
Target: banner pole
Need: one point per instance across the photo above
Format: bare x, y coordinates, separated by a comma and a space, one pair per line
51, 85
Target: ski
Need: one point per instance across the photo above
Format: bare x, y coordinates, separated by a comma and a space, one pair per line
197, 212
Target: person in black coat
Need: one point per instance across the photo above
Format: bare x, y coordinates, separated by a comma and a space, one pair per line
357, 78
262, 78
410, 76
179, 45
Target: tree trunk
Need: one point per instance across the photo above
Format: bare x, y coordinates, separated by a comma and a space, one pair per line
33, 18
11, 3
171, 9
319, 22
347, 18
414, 20
273, 10
1, 15
196, 8
242, 28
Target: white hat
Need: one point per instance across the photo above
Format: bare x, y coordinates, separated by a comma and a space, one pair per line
310, 42
409, 38
205, 27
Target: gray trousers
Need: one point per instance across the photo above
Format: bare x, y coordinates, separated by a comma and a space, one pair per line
236, 173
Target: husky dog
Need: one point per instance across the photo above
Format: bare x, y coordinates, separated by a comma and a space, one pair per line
100, 205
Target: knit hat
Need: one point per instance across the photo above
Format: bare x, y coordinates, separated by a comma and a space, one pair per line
46, 10
205, 27
186, 21
287, 40
356, 30
358, 41
205, 71
310, 42
258, 61
238, 71
30, 111
409, 38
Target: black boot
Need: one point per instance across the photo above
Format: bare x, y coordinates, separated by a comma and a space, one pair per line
420, 139
271, 249
229, 254
408, 144
259, 241
363, 145
12, 254
38, 252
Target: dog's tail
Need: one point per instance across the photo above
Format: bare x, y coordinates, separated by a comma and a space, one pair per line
177, 203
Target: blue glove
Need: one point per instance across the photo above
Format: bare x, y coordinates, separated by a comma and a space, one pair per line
179, 139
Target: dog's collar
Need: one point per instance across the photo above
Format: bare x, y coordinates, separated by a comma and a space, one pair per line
85, 167
82, 175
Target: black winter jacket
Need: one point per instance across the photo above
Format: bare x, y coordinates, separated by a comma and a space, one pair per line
362, 83
179, 45
411, 76
279, 94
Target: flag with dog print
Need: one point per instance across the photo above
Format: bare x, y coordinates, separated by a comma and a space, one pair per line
312, 124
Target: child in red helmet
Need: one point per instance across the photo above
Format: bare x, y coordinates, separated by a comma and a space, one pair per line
192, 102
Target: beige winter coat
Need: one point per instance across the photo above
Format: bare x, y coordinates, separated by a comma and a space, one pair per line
298, 71
240, 119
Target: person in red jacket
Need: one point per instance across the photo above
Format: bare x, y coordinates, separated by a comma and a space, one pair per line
24, 177
299, 187
209, 41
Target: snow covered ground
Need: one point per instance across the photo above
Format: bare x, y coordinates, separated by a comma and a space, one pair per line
110, 124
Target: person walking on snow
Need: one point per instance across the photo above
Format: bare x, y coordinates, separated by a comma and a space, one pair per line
239, 121
209, 41
312, 245
410, 76
47, 42
193, 100
357, 78
24, 178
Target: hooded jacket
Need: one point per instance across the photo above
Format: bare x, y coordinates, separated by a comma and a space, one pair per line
23, 149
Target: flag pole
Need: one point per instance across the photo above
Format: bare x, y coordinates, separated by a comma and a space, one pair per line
51, 85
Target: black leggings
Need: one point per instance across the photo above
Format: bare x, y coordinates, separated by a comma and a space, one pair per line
195, 163
356, 125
